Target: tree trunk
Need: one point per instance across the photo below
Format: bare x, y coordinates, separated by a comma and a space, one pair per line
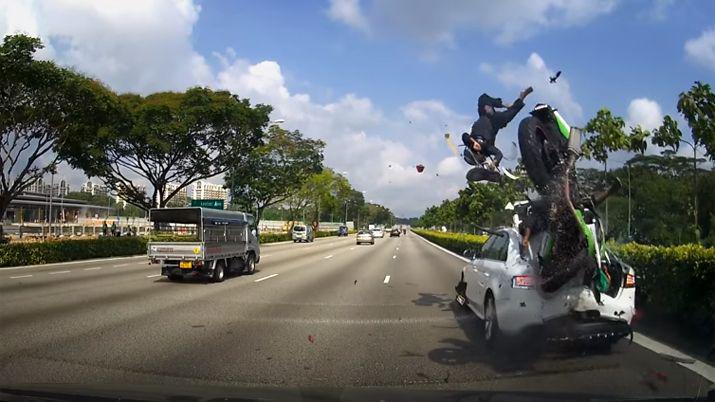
4, 205
695, 194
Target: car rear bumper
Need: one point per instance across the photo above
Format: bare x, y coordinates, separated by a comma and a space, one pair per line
575, 329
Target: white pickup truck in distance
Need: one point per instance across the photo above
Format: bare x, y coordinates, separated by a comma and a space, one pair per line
202, 242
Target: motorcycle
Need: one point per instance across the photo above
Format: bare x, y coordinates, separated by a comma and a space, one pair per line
549, 149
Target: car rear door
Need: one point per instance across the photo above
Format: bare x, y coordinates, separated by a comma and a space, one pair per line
494, 264
474, 276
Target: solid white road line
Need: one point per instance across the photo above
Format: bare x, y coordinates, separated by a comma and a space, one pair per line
21, 276
699, 367
92, 268
153, 276
328, 256
443, 249
387, 279
119, 265
59, 272
265, 277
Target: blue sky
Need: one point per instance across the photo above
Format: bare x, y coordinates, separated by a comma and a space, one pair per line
382, 80
625, 54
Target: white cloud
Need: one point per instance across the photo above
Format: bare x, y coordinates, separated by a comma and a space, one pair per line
435, 23
379, 153
536, 73
137, 46
659, 9
348, 12
701, 50
645, 113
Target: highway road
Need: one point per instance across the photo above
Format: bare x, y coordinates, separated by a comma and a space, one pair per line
324, 314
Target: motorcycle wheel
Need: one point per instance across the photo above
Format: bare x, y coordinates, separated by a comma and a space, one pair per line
531, 143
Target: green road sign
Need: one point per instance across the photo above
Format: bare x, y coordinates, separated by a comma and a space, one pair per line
215, 204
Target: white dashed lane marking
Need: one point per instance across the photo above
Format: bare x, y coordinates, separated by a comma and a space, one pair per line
387, 279
60, 272
119, 265
153, 276
328, 256
20, 276
265, 277
92, 269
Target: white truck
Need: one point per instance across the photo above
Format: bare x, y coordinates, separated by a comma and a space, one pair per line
202, 242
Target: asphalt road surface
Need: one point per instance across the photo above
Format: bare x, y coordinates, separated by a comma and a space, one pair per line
324, 314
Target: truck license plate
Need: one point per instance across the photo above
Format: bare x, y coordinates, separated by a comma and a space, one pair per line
185, 264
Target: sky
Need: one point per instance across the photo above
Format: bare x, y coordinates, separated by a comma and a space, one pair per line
381, 81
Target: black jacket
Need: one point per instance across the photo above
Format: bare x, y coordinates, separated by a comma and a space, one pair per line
487, 126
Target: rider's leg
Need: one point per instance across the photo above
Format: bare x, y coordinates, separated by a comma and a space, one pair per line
495, 152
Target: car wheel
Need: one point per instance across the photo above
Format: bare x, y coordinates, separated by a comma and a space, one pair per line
461, 291
491, 322
250, 266
219, 272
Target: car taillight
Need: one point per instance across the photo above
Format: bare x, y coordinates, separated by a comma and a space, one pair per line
522, 282
630, 281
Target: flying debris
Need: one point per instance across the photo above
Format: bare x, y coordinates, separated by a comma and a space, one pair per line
450, 144
420, 168
389, 166
436, 174
552, 80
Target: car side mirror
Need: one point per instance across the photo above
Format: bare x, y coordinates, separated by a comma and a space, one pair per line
471, 254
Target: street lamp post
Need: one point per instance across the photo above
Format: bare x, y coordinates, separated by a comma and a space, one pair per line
52, 192
346, 212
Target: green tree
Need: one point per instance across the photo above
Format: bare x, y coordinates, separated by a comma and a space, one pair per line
48, 114
275, 170
606, 134
177, 138
697, 106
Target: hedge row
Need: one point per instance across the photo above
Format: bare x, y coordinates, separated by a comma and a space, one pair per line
457, 242
14, 254
676, 280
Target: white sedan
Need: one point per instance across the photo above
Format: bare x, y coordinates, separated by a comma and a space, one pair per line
364, 236
501, 286
378, 232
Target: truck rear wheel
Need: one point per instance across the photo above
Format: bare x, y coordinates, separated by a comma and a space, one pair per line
219, 272
250, 266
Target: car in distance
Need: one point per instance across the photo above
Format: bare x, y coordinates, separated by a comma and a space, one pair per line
343, 231
501, 285
378, 232
302, 233
365, 236
395, 232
